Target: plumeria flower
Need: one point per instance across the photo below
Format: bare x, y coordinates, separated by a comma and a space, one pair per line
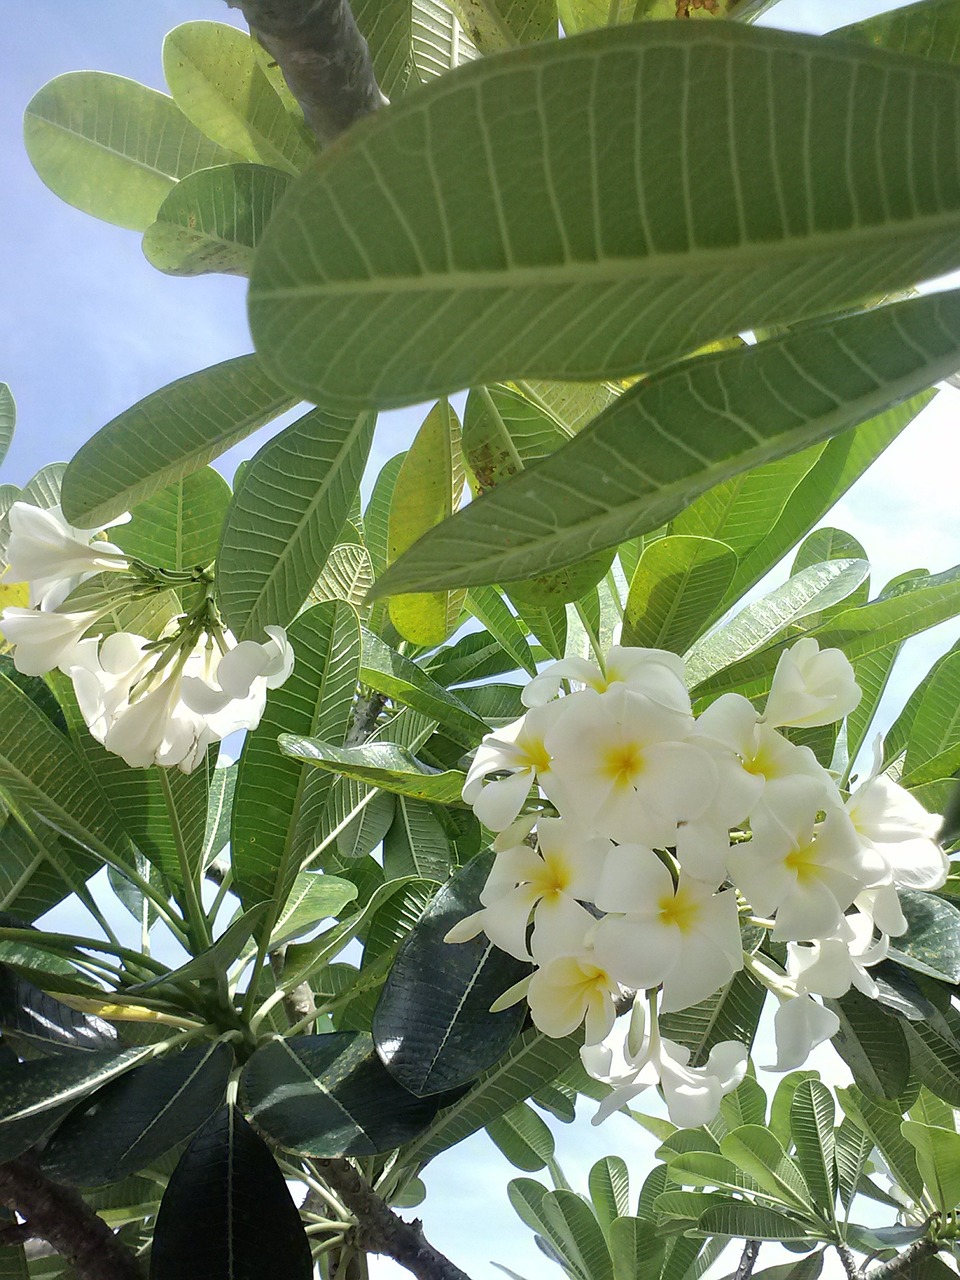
619, 763
245, 669
53, 556
634, 1058
799, 1025
45, 639
830, 966
811, 686
518, 751
889, 820
549, 883
571, 989
656, 673
687, 938
808, 872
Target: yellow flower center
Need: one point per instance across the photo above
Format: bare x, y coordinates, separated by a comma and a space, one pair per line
804, 862
555, 877
537, 754
680, 909
622, 764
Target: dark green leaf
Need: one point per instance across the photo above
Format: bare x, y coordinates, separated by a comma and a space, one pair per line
523, 1137
417, 844
872, 1044
931, 944
226, 1213
31, 1015
732, 1013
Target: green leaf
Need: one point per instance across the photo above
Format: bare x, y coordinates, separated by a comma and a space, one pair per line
439, 42
218, 83
130, 1122
575, 1225
359, 300
381, 764
179, 527
671, 437
931, 944
938, 1158
935, 1054
488, 606
8, 418
226, 1212
881, 1121
223, 785
213, 220
286, 515
636, 1248
112, 147
34, 1095
933, 750
29, 1015
417, 843
212, 963
674, 593
853, 1148
927, 30
753, 1222
756, 1151
427, 491
364, 832
872, 1044
168, 434
433, 1026
812, 1115
330, 1095
495, 25
523, 1137
746, 1105
609, 1183
347, 575
732, 1013
504, 431
278, 803
315, 896
399, 678
387, 28
531, 1061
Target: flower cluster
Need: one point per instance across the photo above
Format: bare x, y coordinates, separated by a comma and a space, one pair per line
161, 701
634, 840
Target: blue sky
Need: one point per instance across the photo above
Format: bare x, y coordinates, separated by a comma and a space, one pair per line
88, 327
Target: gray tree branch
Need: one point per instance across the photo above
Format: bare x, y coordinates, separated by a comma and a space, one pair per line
324, 59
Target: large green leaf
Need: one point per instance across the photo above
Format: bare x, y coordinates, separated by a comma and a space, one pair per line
523, 1138
315, 896
179, 527
387, 28
576, 1229
494, 25
673, 436
678, 583
935, 1054
636, 1248
330, 1095
933, 750
226, 1213
417, 843
756, 1151
433, 1026
931, 944
30, 1016
168, 434
537, 261
380, 764
852, 1149
753, 1222
112, 147
286, 516
930, 29
130, 1122
218, 83
388, 672
213, 220
812, 1115
278, 804
882, 1122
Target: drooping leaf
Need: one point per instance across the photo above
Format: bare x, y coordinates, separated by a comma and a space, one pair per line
130, 1122
315, 896
277, 808
935, 1054
29, 1014
112, 147
427, 491
168, 434
523, 1138
591, 247
433, 1026
674, 592
381, 764
330, 1095
672, 436
226, 1212
213, 220
388, 672
218, 83
286, 515
417, 843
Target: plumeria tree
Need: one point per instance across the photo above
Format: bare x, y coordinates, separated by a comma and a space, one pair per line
537, 799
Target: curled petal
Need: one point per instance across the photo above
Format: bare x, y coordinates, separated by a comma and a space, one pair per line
811, 686
800, 1024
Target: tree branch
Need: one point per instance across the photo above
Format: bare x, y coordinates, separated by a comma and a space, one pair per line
748, 1260
379, 1230
324, 59
60, 1216
904, 1263
849, 1261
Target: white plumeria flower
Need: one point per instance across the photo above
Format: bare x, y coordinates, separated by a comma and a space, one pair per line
549, 883
45, 639
632, 1059
655, 673
881, 904
811, 686
686, 938
212, 682
571, 989
799, 1025
754, 762
53, 556
806, 872
896, 825
620, 765
830, 966
517, 750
